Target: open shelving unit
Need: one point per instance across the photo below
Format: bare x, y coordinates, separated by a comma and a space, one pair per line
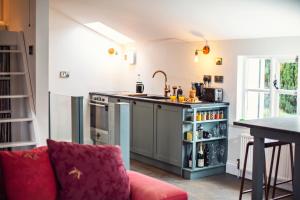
217, 144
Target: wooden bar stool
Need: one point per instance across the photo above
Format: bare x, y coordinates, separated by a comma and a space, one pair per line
266, 186
275, 183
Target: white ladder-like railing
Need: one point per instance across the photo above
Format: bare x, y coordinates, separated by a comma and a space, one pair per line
17, 39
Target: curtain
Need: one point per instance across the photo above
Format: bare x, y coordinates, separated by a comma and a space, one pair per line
5, 104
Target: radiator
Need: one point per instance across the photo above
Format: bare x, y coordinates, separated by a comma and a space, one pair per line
284, 172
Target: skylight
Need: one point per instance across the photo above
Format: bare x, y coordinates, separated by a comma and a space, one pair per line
109, 33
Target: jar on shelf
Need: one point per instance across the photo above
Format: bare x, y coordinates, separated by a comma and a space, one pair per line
189, 136
212, 115
203, 116
198, 116
206, 115
221, 114
217, 116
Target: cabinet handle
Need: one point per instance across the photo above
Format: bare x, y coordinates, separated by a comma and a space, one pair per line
134, 102
159, 106
118, 100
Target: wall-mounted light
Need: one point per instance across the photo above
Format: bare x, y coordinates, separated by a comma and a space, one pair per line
205, 50
112, 51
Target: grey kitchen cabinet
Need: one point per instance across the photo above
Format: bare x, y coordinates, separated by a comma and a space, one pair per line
142, 128
168, 134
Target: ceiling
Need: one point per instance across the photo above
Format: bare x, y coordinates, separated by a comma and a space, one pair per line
189, 20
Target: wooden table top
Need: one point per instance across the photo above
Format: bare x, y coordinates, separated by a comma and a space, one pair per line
280, 124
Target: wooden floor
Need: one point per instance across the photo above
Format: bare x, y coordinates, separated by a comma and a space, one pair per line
219, 187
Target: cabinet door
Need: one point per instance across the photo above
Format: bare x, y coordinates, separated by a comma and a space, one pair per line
168, 132
142, 128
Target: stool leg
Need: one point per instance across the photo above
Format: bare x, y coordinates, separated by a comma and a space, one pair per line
276, 171
271, 170
266, 182
244, 172
292, 159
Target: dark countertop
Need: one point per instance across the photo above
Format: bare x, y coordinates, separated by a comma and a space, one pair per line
125, 95
282, 124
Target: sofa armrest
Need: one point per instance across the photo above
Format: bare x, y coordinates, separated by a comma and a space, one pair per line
146, 188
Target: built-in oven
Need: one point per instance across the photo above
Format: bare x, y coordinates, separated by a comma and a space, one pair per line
110, 123
99, 122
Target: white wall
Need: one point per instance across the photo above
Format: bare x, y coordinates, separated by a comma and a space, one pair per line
42, 69
83, 53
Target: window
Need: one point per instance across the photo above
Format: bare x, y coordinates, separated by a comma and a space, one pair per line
270, 87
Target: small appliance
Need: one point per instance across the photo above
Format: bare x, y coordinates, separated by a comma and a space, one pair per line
199, 87
139, 87
213, 94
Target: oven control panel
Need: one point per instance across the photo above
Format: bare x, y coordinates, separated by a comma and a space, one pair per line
99, 99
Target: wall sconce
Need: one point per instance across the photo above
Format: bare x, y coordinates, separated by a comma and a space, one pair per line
196, 59
205, 50
112, 52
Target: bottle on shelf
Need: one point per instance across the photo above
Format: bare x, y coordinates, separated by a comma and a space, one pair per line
200, 132
200, 157
179, 92
206, 155
190, 163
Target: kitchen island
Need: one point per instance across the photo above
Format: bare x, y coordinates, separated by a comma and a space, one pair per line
165, 134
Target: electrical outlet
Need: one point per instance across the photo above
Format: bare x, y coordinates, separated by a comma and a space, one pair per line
207, 78
64, 74
30, 50
219, 79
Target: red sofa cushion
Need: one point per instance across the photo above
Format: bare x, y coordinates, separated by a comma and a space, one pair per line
147, 188
89, 172
28, 175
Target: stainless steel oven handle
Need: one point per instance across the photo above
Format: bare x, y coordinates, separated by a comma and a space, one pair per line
95, 104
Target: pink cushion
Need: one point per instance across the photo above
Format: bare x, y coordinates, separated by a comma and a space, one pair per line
147, 188
89, 172
28, 175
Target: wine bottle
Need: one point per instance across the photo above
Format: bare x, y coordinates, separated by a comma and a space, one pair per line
191, 160
200, 157
206, 155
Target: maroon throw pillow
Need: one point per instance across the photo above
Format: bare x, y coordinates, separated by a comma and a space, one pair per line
28, 175
89, 172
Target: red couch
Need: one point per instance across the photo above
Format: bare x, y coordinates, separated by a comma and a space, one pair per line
146, 188
141, 188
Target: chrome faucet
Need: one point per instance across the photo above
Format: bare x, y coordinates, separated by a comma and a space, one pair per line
167, 89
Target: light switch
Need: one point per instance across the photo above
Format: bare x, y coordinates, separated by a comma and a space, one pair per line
64, 74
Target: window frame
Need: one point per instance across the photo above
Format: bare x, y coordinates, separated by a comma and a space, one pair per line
274, 93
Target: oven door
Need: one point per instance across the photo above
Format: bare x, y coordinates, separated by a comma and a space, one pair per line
99, 123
